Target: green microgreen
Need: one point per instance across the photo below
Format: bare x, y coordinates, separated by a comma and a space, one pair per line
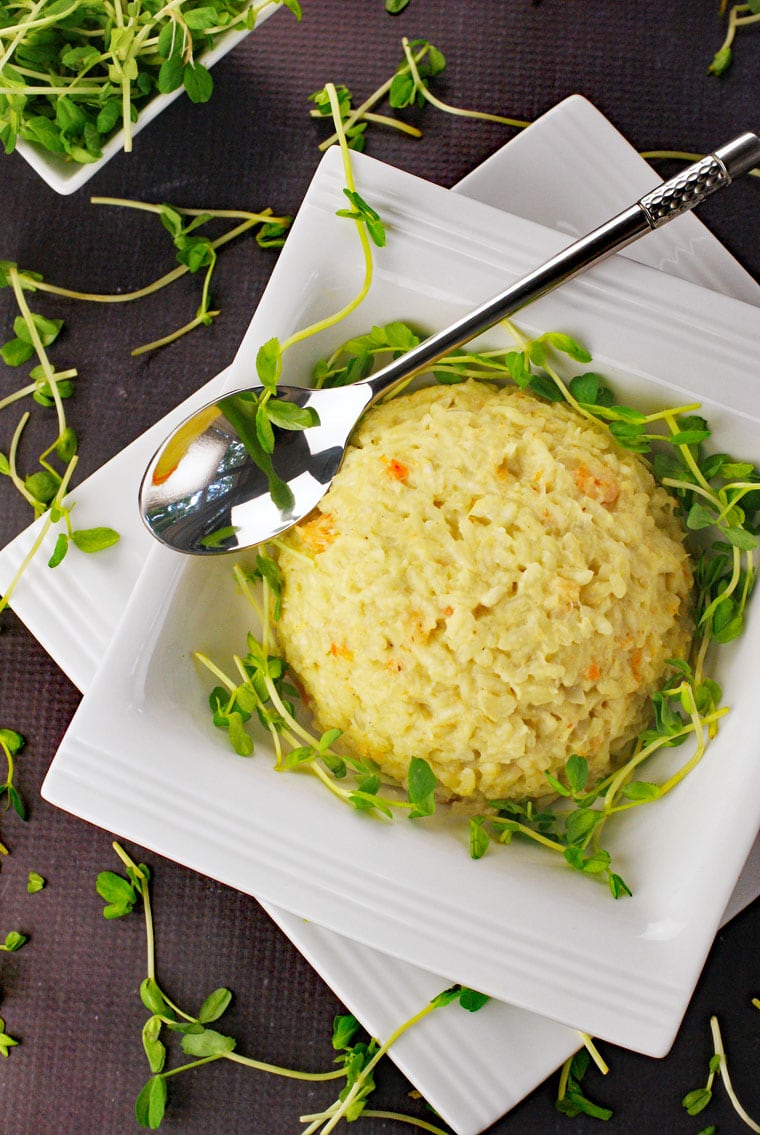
695, 1101
71, 74
359, 1058
571, 1098
739, 16
357, 358
7, 1042
14, 940
408, 86
355, 1061
364, 214
11, 744
35, 883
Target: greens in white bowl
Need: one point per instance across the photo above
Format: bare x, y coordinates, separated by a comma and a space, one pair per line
76, 84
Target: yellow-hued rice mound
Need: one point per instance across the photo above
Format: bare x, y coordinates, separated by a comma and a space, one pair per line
491, 583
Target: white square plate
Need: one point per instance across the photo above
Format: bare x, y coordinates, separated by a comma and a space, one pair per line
470, 1068
515, 924
66, 177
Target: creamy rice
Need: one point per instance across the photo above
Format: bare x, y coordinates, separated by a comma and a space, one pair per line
491, 583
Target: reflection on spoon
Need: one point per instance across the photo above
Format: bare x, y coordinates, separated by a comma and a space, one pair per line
212, 488
206, 490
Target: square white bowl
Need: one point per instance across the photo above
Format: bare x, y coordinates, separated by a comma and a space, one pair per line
514, 925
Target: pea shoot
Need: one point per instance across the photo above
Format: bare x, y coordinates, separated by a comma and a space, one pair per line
739, 16
13, 941
571, 1098
7, 1042
11, 744
695, 1101
35, 883
356, 1058
408, 86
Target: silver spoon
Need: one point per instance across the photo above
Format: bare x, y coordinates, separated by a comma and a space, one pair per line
203, 492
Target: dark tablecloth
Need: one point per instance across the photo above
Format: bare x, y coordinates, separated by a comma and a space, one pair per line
70, 995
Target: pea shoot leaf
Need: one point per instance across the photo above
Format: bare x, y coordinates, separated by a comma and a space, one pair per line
696, 1101
345, 1028
7, 1042
35, 883
364, 214
214, 1006
154, 1048
150, 1105
468, 998
207, 1043
91, 540
14, 940
119, 894
422, 785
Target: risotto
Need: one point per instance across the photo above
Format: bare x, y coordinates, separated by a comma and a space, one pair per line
491, 583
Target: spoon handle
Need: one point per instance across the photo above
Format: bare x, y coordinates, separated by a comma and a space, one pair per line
668, 200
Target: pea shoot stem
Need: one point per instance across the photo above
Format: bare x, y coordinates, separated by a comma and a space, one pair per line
341, 1107
23, 306
197, 321
359, 1082
338, 316
251, 220
680, 155
287, 1073
422, 88
361, 111
720, 1052
594, 1053
145, 895
378, 119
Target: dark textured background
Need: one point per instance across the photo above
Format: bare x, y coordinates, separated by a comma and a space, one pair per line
70, 994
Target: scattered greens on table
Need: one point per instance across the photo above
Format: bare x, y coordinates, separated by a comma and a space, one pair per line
73, 72
11, 744
46, 488
410, 86
739, 16
356, 1059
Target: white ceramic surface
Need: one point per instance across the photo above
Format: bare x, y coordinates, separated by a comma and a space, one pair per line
471, 1068
65, 177
546, 939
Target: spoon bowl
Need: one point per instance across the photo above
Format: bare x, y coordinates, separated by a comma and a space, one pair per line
218, 485
203, 492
